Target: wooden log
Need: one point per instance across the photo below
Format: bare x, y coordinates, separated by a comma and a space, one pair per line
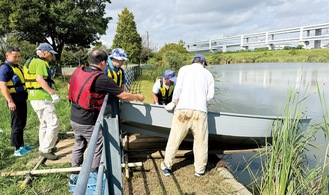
59, 170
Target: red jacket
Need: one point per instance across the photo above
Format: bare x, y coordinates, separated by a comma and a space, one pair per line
79, 92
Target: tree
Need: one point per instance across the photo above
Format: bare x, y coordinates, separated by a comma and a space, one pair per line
127, 37
27, 49
176, 47
146, 54
71, 22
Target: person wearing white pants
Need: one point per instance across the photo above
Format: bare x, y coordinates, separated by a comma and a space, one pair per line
49, 124
194, 88
38, 81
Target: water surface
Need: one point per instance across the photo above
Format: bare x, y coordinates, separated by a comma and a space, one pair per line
262, 89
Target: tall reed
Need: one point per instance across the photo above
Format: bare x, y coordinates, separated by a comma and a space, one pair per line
284, 168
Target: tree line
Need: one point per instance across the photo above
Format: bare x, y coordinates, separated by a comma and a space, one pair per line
72, 27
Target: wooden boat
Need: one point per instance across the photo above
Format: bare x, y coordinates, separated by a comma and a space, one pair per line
224, 128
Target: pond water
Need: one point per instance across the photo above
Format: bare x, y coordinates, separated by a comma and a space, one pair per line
262, 89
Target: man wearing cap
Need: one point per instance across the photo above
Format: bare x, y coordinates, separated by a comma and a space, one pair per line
194, 88
163, 88
42, 97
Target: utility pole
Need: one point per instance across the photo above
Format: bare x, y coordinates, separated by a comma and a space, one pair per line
147, 39
148, 46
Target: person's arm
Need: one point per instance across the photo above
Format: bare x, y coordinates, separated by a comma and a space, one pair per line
124, 80
156, 90
129, 96
155, 98
44, 84
6, 94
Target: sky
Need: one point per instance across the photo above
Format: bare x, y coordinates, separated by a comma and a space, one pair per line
168, 21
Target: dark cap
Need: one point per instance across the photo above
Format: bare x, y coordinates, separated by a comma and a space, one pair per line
169, 74
200, 58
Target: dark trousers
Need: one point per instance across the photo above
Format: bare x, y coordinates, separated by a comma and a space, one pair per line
18, 123
82, 136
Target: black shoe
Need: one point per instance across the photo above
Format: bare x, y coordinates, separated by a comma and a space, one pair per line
49, 156
54, 149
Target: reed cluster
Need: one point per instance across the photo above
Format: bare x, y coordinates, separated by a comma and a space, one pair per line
284, 165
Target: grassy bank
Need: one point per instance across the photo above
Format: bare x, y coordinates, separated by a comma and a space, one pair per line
301, 55
41, 184
293, 55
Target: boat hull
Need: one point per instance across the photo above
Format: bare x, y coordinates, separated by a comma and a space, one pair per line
224, 128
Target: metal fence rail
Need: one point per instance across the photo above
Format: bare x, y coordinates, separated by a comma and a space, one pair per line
131, 75
110, 165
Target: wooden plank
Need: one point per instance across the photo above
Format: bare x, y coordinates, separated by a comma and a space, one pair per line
64, 152
60, 170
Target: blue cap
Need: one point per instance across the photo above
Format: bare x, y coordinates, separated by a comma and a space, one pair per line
119, 54
46, 47
199, 57
169, 74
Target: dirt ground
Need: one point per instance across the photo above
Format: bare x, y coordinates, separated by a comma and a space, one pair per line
149, 179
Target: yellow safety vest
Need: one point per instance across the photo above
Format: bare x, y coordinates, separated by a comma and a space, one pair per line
116, 76
30, 79
16, 83
166, 92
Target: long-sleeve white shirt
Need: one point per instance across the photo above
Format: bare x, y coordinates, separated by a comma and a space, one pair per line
194, 87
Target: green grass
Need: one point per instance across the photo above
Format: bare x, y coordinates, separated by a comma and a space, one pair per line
143, 86
303, 55
41, 184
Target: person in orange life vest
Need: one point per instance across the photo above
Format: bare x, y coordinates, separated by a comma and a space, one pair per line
163, 88
86, 104
12, 85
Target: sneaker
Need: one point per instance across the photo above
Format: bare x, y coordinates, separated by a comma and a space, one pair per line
198, 174
21, 152
27, 147
49, 156
73, 179
166, 172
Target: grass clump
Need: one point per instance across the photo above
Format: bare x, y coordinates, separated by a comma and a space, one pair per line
285, 169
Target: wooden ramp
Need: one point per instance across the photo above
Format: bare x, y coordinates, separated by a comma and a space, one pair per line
64, 151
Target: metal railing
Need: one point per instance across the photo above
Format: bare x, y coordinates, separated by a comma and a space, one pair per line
274, 39
110, 165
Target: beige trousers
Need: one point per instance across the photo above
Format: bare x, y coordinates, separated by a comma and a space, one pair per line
49, 124
182, 122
